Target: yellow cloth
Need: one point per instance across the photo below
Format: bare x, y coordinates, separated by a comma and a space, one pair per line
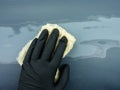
50, 27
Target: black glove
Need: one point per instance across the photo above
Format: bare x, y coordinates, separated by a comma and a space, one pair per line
41, 63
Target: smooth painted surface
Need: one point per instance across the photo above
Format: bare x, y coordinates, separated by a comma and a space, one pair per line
94, 60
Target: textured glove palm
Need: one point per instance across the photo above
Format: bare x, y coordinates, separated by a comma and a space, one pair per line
41, 63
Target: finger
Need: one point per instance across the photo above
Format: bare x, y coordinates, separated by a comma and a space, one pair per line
29, 52
50, 45
58, 54
64, 76
40, 44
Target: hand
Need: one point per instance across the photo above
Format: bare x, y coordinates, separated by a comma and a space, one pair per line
41, 63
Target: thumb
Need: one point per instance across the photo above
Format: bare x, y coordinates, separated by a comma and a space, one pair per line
64, 76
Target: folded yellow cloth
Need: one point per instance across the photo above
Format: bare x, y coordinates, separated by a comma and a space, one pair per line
49, 27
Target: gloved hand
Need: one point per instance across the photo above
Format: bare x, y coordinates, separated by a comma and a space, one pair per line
41, 63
